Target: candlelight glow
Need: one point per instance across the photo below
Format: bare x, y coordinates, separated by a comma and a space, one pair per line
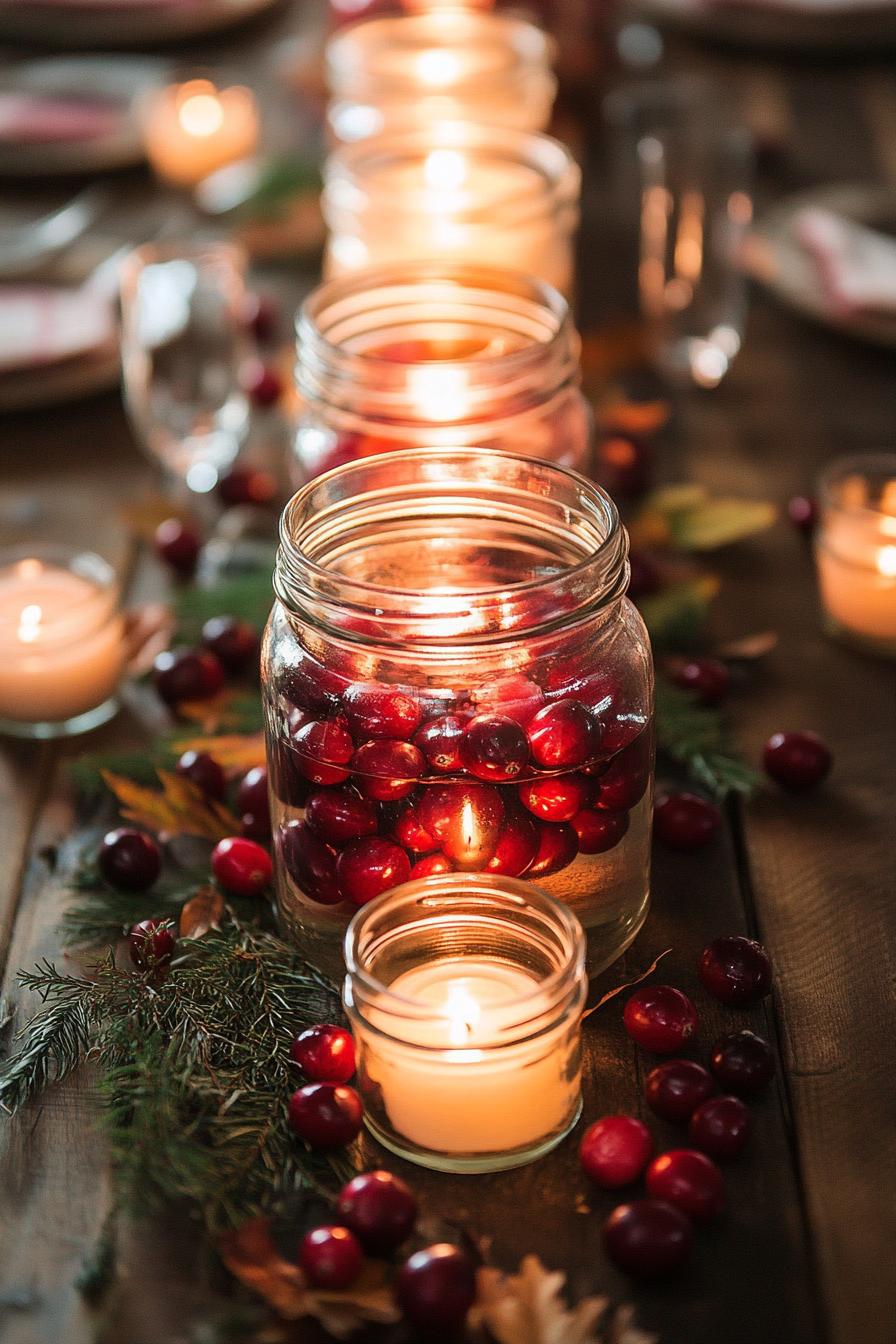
445, 169
438, 68
440, 391
200, 113
886, 561
30, 622
463, 1011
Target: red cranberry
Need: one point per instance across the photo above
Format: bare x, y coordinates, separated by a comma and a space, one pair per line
247, 486
151, 943
233, 642
676, 1088
430, 866
684, 821
178, 544
129, 859
379, 1208
367, 867
624, 782
325, 1115
182, 675
516, 847
623, 464
410, 832
261, 384
599, 831
615, 1150
465, 818
803, 513
338, 816
439, 741
312, 687
436, 1288
743, 1062
252, 804
387, 770
648, 1237
557, 847
689, 1180
325, 749
330, 1257
555, 797
707, 677
563, 735
380, 711
241, 866
494, 748
514, 697
797, 760
324, 1053
721, 1127
261, 315
205, 772
660, 1018
736, 970
310, 863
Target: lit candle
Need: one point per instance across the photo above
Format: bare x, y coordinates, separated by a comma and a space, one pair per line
61, 645
856, 549
190, 130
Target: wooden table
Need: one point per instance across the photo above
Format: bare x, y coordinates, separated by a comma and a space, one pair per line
803, 1254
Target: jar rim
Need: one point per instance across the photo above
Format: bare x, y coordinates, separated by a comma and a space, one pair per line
867, 465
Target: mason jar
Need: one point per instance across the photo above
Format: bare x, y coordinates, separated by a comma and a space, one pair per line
455, 681
403, 71
439, 353
453, 191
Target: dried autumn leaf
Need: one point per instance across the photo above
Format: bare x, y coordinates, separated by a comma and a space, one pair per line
634, 417
749, 647
179, 809
719, 522
629, 984
202, 913
235, 752
528, 1308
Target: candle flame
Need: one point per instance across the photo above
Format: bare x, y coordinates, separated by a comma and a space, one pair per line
463, 1013
886, 561
440, 391
438, 68
30, 619
199, 111
445, 169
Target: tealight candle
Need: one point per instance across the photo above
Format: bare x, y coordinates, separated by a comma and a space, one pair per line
62, 647
190, 130
465, 993
855, 550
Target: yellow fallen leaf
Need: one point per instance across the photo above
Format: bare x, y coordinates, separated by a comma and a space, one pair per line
201, 913
235, 752
179, 809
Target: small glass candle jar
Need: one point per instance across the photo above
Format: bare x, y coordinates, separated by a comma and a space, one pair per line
401, 72
451, 355
454, 191
465, 996
454, 680
855, 550
62, 651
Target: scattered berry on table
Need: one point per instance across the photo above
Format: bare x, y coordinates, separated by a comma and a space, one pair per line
151, 943
736, 970
261, 315
183, 674
179, 544
615, 1150
803, 513
251, 487
797, 760
436, 1287
720, 1127
325, 1053
707, 677
380, 1208
233, 642
204, 771
675, 1088
330, 1258
690, 1180
261, 383
648, 1237
241, 866
743, 1062
684, 821
129, 860
660, 1018
325, 1115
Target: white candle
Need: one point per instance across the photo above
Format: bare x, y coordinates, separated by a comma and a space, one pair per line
61, 642
856, 556
190, 130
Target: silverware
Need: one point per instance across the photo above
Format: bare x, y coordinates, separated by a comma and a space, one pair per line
25, 247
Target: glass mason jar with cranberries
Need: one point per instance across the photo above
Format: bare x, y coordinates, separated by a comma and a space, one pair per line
454, 680
439, 353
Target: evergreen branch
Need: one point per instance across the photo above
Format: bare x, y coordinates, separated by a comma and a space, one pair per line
247, 596
57, 1038
694, 737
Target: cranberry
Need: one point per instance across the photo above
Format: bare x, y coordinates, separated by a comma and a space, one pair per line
310, 863
494, 748
324, 1053
330, 1257
387, 770
380, 711
660, 1018
516, 847
465, 818
233, 642
644, 577
648, 1237
409, 832
623, 464
151, 943
205, 772
684, 821
312, 687
707, 677
675, 1089
325, 1115
689, 1180
797, 760
624, 782
367, 867
436, 1288
721, 1127
563, 735
247, 486
338, 816
736, 970
430, 866
129, 859
379, 1208
187, 674
515, 698
325, 748
555, 797
261, 384
178, 544
803, 513
261, 314
439, 741
557, 847
615, 1150
599, 831
252, 804
743, 1062
241, 866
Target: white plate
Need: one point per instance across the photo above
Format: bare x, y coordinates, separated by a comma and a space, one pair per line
832, 28
776, 259
116, 23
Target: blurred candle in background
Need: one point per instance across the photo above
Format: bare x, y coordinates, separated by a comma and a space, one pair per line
192, 129
855, 550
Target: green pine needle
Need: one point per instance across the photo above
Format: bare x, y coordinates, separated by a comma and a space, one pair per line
695, 738
247, 596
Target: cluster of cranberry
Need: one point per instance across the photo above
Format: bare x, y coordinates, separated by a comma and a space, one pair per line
684, 1186
376, 1212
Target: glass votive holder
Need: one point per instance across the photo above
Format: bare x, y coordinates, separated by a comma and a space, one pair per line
465, 995
855, 550
62, 648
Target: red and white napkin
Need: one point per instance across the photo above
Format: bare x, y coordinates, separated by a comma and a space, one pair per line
856, 265
28, 118
43, 324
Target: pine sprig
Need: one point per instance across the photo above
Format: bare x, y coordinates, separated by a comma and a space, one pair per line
247, 596
56, 1039
694, 736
